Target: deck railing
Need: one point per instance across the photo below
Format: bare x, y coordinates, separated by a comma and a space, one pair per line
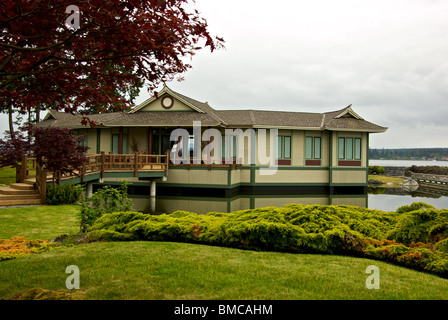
96, 163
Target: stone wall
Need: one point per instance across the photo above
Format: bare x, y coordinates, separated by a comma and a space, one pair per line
395, 171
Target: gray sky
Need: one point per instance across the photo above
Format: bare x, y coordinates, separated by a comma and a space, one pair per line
389, 59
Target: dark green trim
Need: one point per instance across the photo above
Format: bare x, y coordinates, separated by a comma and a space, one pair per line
199, 168
289, 167
256, 167
140, 184
252, 203
367, 155
348, 184
288, 184
158, 174
98, 141
350, 169
194, 185
77, 180
330, 169
252, 174
119, 174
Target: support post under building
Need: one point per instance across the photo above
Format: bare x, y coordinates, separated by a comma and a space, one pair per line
153, 188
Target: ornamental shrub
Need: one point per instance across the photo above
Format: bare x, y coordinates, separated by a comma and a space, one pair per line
376, 170
413, 238
104, 200
64, 194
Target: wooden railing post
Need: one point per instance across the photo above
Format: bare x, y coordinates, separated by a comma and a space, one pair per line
23, 169
43, 185
167, 164
83, 173
135, 164
103, 162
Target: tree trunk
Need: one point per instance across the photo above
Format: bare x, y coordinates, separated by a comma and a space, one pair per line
11, 122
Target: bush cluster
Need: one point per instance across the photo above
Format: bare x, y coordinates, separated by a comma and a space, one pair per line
376, 170
413, 236
104, 200
64, 194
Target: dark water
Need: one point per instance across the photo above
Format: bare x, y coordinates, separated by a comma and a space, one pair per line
385, 199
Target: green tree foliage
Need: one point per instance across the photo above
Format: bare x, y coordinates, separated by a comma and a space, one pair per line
408, 154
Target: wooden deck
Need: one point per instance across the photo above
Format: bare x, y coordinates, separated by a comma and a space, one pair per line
33, 178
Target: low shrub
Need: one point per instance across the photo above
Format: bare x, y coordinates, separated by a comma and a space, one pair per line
64, 194
104, 200
376, 170
19, 246
413, 238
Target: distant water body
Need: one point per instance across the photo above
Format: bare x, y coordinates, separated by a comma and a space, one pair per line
407, 163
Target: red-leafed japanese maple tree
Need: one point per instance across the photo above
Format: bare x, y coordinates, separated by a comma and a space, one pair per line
58, 149
118, 45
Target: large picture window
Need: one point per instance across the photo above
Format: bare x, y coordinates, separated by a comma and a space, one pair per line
349, 148
284, 147
283, 150
312, 147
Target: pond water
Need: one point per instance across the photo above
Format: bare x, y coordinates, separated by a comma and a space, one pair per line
384, 199
407, 163
390, 202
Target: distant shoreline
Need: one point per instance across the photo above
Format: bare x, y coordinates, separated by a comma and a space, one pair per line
407, 163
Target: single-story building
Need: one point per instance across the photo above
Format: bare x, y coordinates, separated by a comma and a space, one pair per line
310, 150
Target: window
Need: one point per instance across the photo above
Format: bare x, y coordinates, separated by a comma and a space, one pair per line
349, 148
341, 148
115, 144
229, 146
284, 147
312, 147
357, 149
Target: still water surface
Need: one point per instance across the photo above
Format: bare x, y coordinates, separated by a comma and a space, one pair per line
388, 199
407, 163
201, 205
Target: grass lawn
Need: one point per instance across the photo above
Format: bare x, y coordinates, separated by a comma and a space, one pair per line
7, 176
39, 222
385, 180
169, 270
164, 270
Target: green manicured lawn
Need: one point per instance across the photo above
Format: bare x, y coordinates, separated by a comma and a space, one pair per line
7, 176
163, 270
39, 222
169, 270
385, 179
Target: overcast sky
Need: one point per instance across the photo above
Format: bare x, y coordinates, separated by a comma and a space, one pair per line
389, 59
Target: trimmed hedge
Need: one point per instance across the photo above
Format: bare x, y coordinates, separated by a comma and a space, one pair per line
413, 236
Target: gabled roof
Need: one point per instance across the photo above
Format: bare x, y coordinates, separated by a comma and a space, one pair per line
341, 120
267, 119
346, 119
193, 104
67, 120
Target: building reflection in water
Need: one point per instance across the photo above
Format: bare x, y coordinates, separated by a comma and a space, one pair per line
202, 205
